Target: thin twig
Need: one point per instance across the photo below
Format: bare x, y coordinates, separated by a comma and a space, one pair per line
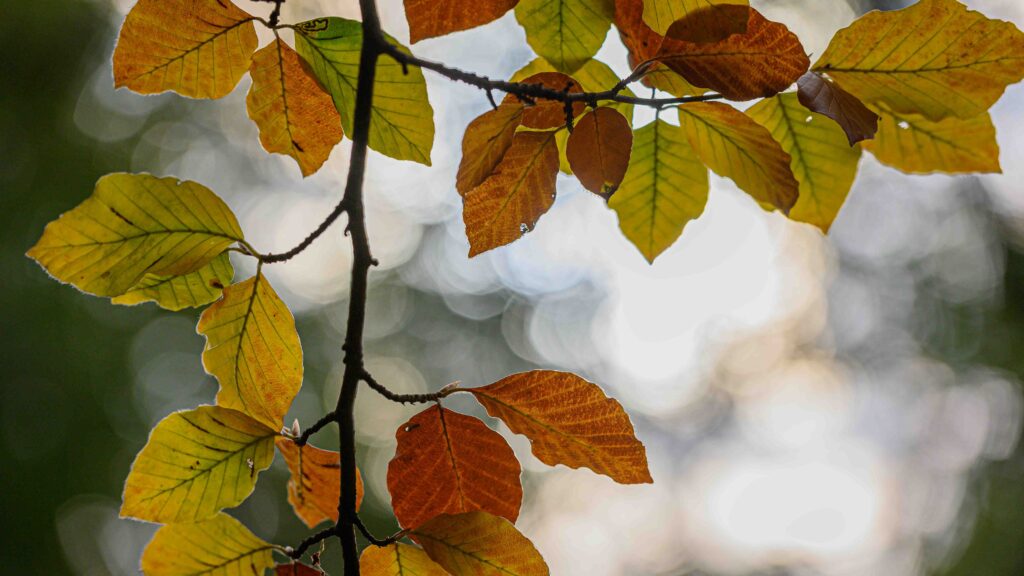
312, 540
378, 541
404, 398
328, 418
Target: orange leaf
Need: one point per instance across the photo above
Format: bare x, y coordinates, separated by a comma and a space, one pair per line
734, 146
547, 114
316, 499
479, 544
197, 48
821, 95
294, 114
432, 18
762, 62
710, 23
598, 150
296, 569
521, 189
447, 463
568, 421
486, 140
397, 559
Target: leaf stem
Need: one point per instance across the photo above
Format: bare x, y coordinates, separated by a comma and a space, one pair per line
405, 398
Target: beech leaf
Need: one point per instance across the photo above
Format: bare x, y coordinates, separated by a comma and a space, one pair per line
447, 463
548, 114
660, 14
479, 544
432, 18
315, 499
821, 95
227, 549
297, 569
253, 350
598, 150
485, 143
566, 33
643, 44
197, 48
916, 145
134, 225
397, 559
568, 421
190, 290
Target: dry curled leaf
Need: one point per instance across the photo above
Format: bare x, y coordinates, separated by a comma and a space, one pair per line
820, 94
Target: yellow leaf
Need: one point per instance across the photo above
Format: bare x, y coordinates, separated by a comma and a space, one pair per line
521, 189
823, 162
433, 18
294, 114
402, 125
220, 546
397, 559
660, 14
190, 290
479, 544
935, 58
195, 464
133, 225
914, 144
568, 421
253, 350
734, 146
566, 33
665, 187
598, 150
484, 144
446, 463
316, 498
197, 48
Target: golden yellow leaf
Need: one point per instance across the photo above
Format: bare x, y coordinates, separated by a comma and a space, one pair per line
220, 546
479, 544
914, 144
660, 14
568, 421
822, 95
823, 162
253, 350
134, 225
197, 48
446, 463
598, 150
935, 58
521, 189
433, 18
484, 144
195, 464
190, 290
734, 146
316, 498
293, 112
402, 124
566, 33
665, 187
397, 559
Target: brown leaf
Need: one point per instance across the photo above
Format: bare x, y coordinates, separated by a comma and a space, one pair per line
479, 544
447, 463
197, 48
598, 150
432, 18
296, 569
547, 114
710, 23
762, 62
568, 421
293, 112
484, 144
521, 189
821, 95
316, 499
643, 44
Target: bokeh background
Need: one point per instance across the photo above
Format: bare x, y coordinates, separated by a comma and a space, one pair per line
841, 405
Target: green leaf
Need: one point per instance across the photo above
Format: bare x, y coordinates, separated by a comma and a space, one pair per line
823, 161
253, 350
134, 225
190, 290
195, 464
566, 33
665, 187
402, 124
220, 546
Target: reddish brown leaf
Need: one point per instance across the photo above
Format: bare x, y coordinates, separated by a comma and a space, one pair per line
447, 463
521, 189
711, 23
643, 44
568, 421
546, 114
821, 95
432, 18
484, 144
762, 62
316, 498
598, 150
479, 544
296, 569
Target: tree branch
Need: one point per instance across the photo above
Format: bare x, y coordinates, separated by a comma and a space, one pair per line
405, 398
306, 434
311, 541
378, 541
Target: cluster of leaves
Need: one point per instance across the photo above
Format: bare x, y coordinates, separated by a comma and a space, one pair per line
911, 86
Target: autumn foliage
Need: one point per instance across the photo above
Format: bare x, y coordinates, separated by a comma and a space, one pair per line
912, 87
